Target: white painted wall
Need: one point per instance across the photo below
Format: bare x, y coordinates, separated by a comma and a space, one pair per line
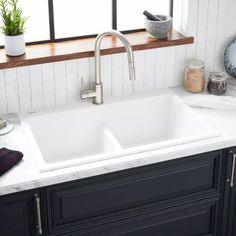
211, 22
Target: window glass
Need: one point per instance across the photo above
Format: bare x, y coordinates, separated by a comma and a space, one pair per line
130, 12
81, 17
37, 26
84, 17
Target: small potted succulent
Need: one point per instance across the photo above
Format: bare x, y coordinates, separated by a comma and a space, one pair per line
13, 26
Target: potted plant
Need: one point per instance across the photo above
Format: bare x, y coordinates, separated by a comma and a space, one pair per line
13, 27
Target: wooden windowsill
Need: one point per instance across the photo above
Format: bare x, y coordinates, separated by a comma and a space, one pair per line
81, 48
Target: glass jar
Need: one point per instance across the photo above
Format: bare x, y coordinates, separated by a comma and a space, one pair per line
194, 76
217, 84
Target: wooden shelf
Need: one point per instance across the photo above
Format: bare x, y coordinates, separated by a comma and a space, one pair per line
81, 48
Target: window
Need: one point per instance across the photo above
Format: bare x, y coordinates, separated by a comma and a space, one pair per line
129, 12
55, 20
81, 17
37, 27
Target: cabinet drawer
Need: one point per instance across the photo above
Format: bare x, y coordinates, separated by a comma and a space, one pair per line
90, 201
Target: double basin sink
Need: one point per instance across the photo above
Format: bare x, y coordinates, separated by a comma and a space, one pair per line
87, 133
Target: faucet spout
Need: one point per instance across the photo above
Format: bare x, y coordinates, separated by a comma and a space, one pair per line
128, 48
97, 92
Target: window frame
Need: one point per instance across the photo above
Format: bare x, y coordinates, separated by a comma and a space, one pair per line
113, 21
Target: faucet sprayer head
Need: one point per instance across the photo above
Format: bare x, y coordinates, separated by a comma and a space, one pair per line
132, 71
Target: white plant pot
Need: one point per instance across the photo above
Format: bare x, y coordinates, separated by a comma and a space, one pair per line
15, 45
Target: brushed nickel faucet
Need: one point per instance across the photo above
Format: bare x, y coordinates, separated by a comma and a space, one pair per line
97, 92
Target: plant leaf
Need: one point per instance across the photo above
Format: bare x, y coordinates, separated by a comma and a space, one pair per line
13, 21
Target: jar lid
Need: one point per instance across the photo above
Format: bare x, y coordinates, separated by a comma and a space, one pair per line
195, 64
218, 77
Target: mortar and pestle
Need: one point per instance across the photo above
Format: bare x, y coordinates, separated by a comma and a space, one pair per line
157, 26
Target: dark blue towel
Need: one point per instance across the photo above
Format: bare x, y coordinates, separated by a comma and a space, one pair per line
8, 158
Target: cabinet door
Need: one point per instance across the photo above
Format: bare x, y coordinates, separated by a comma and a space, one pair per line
101, 200
229, 216
189, 219
17, 215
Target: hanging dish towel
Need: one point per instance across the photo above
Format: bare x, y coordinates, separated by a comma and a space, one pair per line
8, 159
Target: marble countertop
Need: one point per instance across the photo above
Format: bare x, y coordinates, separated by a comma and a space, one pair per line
25, 175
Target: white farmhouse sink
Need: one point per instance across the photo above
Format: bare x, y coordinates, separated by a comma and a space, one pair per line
73, 136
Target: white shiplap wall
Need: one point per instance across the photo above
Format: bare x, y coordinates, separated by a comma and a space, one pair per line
47, 85
213, 25
211, 22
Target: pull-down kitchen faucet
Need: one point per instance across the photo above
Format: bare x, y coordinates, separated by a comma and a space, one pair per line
97, 92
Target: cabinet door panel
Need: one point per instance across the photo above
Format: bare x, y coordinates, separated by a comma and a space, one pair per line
90, 201
190, 219
229, 207
16, 215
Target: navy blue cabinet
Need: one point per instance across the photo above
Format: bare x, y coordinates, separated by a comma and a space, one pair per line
229, 213
18, 214
182, 197
179, 197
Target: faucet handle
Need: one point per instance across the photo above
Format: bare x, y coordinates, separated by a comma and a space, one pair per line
88, 93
